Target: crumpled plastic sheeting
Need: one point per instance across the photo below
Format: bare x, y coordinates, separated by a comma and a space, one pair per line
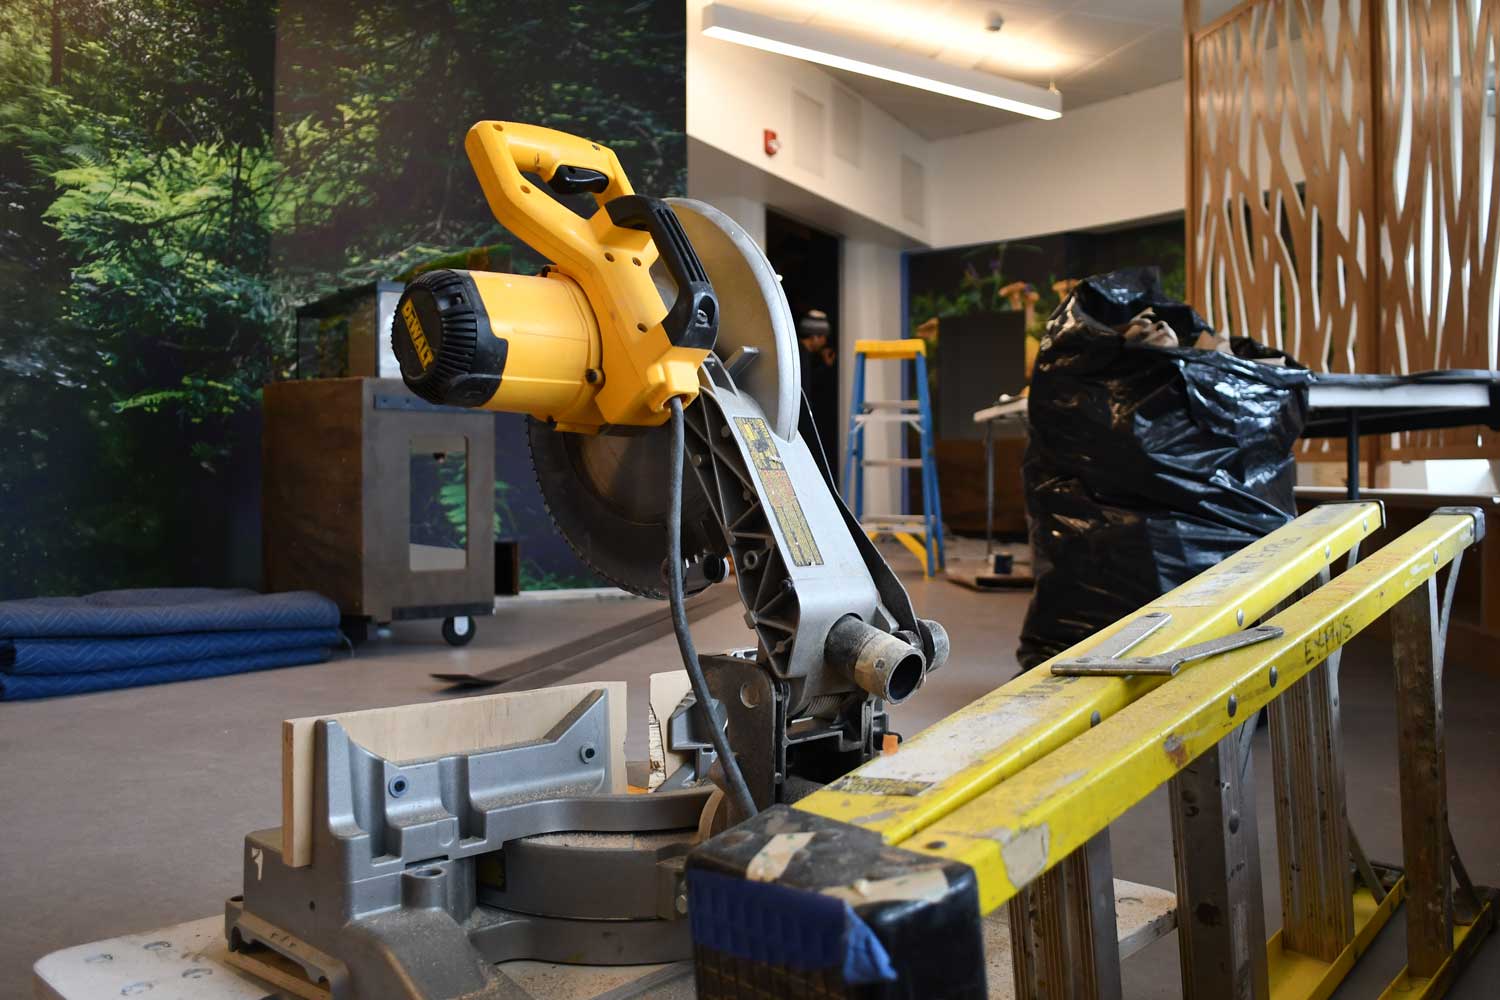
1146, 465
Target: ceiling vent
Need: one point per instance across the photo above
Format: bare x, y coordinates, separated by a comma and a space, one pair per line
913, 191
807, 133
846, 126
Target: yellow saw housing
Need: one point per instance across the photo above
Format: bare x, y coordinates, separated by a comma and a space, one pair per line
587, 344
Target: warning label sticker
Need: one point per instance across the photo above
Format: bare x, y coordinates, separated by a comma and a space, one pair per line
780, 496
859, 785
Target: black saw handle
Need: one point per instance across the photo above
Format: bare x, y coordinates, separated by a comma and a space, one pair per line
693, 320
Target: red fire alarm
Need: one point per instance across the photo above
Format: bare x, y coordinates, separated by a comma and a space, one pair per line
773, 144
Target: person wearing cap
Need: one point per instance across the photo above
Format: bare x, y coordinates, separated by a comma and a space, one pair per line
819, 372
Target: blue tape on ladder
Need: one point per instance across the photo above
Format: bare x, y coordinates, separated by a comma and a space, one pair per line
775, 925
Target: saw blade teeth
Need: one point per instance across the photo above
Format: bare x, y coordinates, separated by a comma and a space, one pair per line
563, 529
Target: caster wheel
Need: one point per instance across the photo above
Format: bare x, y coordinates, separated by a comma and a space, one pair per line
458, 631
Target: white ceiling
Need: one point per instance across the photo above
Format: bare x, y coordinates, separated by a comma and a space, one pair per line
1091, 50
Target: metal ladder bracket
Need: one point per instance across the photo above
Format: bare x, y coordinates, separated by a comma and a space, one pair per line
1107, 659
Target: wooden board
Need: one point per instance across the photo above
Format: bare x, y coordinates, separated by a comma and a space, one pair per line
961, 466
406, 733
312, 524
1143, 914
1334, 204
553, 981
667, 691
278, 970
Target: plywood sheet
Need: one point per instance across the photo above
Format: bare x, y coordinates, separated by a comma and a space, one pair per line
667, 691
1143, 913
189, 961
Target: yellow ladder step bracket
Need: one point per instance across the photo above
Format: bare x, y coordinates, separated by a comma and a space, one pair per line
903, 350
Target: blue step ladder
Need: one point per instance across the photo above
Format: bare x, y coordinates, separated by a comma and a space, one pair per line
921, 534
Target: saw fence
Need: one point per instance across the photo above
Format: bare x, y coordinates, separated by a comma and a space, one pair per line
1020, 787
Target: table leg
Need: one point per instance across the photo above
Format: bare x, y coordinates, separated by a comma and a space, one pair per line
989, 493
1351, 454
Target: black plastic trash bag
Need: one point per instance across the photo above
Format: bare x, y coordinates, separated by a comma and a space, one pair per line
1146, 464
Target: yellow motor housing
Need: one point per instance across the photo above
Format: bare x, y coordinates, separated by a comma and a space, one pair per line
590, 343
505, 342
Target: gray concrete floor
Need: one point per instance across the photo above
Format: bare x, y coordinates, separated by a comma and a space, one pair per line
124, 811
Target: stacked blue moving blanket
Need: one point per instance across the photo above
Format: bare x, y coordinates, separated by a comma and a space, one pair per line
124, 638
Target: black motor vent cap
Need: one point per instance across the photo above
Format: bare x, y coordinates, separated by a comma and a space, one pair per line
441, 336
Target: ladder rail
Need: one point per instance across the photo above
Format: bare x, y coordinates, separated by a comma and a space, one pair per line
854, 481
932, 503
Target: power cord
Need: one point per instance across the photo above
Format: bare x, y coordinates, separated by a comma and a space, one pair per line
676, 597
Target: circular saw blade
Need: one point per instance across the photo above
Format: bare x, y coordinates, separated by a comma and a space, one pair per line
608, 493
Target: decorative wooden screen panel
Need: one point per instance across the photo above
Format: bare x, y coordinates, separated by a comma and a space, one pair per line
1340, 187
1284, 201
1438, 210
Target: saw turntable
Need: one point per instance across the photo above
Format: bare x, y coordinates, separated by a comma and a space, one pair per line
657, 361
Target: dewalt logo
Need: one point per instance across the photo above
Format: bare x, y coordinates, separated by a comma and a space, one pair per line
414, 330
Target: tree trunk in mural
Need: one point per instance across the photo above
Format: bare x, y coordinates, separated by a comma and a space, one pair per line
179, 175
57, 44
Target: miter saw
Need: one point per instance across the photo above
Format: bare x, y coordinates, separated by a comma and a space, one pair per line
593, 353
658, 339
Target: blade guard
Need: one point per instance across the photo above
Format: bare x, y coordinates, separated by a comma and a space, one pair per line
644, 366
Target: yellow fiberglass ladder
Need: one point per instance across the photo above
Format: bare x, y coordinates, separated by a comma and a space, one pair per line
1008, 802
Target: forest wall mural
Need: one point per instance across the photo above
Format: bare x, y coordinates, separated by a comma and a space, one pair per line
177, 177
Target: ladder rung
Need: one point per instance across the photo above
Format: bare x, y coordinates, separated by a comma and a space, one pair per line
903, 350
891, 404
902, 463
915, 419
917, 529
884, 520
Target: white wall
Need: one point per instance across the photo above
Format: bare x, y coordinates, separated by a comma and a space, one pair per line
1105, 163
734, 93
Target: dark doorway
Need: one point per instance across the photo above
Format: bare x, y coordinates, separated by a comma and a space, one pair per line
808, 261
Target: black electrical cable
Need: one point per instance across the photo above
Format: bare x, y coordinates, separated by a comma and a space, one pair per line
676, 597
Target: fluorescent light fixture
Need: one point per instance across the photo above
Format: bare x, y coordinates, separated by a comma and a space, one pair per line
804, 41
